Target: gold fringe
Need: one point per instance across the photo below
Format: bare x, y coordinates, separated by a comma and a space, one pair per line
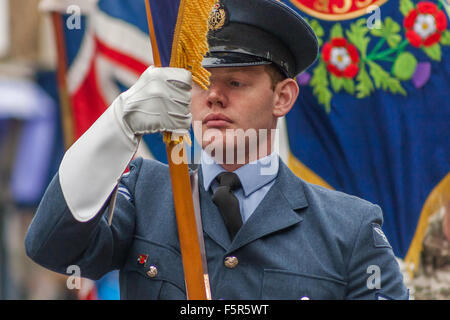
189, 46
190, 43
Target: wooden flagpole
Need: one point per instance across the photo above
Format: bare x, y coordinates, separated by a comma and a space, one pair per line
196, 280
61, 72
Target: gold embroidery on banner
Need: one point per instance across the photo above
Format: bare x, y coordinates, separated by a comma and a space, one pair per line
322, 5
334, 10
363, 3
347, 5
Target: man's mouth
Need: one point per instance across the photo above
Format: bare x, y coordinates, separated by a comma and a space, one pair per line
216, 120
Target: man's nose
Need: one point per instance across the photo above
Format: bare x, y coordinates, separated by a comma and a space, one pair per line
216, 96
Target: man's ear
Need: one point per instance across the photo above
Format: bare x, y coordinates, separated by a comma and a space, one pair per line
286, 92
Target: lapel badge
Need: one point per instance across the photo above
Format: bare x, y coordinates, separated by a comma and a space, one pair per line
217, 17
142, 259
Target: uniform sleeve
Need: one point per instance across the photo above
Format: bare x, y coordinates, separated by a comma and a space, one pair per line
56, 240
373, 272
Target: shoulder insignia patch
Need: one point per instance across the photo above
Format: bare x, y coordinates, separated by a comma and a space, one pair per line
379, 238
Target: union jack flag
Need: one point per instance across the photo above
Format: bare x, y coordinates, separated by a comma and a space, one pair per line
107, 48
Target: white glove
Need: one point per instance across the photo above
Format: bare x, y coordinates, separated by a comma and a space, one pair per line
158, 101
93, 165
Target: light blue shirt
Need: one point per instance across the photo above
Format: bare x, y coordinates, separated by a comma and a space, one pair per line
256, 177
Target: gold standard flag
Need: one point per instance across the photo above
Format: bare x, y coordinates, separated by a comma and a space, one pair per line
108, 50
178, 31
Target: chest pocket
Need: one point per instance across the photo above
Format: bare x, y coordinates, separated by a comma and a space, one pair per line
153, 271
285, 285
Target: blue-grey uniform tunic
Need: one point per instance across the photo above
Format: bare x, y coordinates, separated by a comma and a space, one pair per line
301, 241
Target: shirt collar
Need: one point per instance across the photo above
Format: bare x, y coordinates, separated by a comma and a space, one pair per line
253, 175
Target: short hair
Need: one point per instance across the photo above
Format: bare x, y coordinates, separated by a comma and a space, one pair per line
275, 74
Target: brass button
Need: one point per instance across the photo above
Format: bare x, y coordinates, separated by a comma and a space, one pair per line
152, 272
231, 262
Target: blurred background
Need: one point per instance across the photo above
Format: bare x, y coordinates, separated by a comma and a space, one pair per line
373, 119
31, 147
27, 64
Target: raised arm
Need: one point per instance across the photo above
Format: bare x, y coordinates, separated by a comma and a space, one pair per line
68, 227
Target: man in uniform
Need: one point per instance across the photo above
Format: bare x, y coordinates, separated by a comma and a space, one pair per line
267, 233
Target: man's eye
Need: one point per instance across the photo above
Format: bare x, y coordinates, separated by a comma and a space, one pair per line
236, 83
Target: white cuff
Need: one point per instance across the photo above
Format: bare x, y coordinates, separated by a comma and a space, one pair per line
93, 165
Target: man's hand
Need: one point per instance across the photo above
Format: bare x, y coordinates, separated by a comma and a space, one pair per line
158, 101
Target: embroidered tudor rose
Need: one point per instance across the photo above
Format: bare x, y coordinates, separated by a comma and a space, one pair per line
341, 58
424, 25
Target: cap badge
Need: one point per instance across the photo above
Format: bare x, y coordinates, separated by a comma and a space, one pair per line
217, 17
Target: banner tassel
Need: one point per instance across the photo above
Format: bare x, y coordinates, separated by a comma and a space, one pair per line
190, 40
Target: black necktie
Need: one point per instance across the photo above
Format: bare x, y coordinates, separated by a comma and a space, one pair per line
227, 203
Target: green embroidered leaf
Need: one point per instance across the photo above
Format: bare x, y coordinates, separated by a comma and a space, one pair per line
404, 66
378, 74
434, 52
392, 29
318, 30
384, 80
336, 31
395, 86
357, 36
389, 30
394, 39
445, 39
349, 85
319, 82
406, 6
336, 83
364, 86
378, 32
391, 26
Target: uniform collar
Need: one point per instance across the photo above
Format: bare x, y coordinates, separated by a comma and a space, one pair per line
253, 175
278, 210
